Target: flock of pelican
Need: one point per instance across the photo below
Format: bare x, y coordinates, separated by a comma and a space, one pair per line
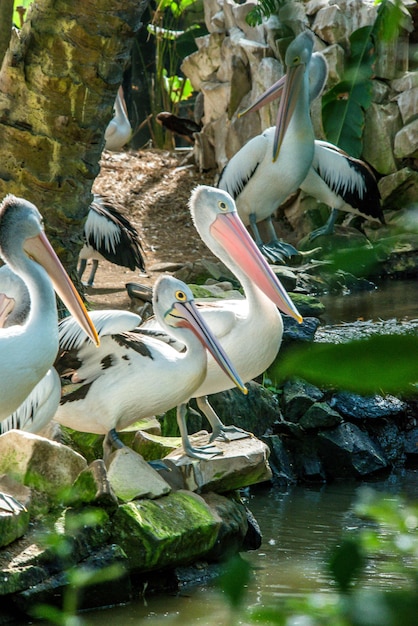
126, 370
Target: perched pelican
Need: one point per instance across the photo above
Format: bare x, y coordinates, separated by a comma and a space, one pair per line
39, 407
132, 375
262, 174
109, 235
118, 131
335, 178
250, 330
27, 351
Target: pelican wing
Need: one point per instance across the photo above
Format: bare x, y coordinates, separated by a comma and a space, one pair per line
350, 178
242, 167
107, 322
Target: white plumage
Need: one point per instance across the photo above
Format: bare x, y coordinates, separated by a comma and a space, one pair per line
132, 375
119, 130
334, 178
250, 330
27, 351
39, 407
262, 174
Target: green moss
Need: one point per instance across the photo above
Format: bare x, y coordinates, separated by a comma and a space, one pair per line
169, 531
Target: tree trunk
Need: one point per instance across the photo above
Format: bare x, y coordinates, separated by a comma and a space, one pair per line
58, 83
6, 17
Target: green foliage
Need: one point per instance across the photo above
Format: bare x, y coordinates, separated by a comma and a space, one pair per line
234, 580
390, 17
16, 16
344, 106
173, 43
264, 9
61, 542
366, 366
346, 563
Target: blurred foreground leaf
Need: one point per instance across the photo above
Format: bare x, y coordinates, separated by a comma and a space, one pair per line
347, 563
386, 364
234, 579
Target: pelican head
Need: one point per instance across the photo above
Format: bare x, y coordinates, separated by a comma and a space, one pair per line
298, 56
22, 227
216, 219
174, 305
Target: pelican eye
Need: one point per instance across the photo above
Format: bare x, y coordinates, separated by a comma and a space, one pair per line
222, 205
181, 296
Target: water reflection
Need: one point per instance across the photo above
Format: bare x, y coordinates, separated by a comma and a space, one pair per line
396, 298
300, 526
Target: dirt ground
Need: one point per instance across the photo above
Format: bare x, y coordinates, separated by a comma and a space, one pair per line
152, 188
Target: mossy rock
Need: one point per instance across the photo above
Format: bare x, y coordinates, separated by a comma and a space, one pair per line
171, 530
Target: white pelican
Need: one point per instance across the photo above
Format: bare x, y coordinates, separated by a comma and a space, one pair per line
119, 130
250, 330
262, 174
39, 407
27, 351
132, 375
335, 178
109, 235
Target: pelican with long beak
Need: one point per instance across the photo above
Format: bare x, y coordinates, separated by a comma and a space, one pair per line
250, 330
335, 178
27, 351
262, 174
133, 375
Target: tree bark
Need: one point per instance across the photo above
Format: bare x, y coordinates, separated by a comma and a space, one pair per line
58, 83
6, 17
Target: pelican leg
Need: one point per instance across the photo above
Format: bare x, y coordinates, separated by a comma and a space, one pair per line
82, 268
112, 440
327, 228
280, 248
204, 452
275, 251
94, 266
219, 430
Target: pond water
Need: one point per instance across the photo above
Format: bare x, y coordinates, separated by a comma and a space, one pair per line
300, 525
392, 299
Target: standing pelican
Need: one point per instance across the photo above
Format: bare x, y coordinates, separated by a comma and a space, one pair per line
334, 178
118, 131
39, 407
27, 351
132, 375
249, 330
262, 174
109, 235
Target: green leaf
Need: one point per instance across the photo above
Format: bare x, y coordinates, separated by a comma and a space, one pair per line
344, 105
377, 364
234, 580
346, 563
389, 19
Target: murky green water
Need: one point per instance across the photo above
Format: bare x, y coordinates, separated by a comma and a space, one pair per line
393, 299
300, 526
